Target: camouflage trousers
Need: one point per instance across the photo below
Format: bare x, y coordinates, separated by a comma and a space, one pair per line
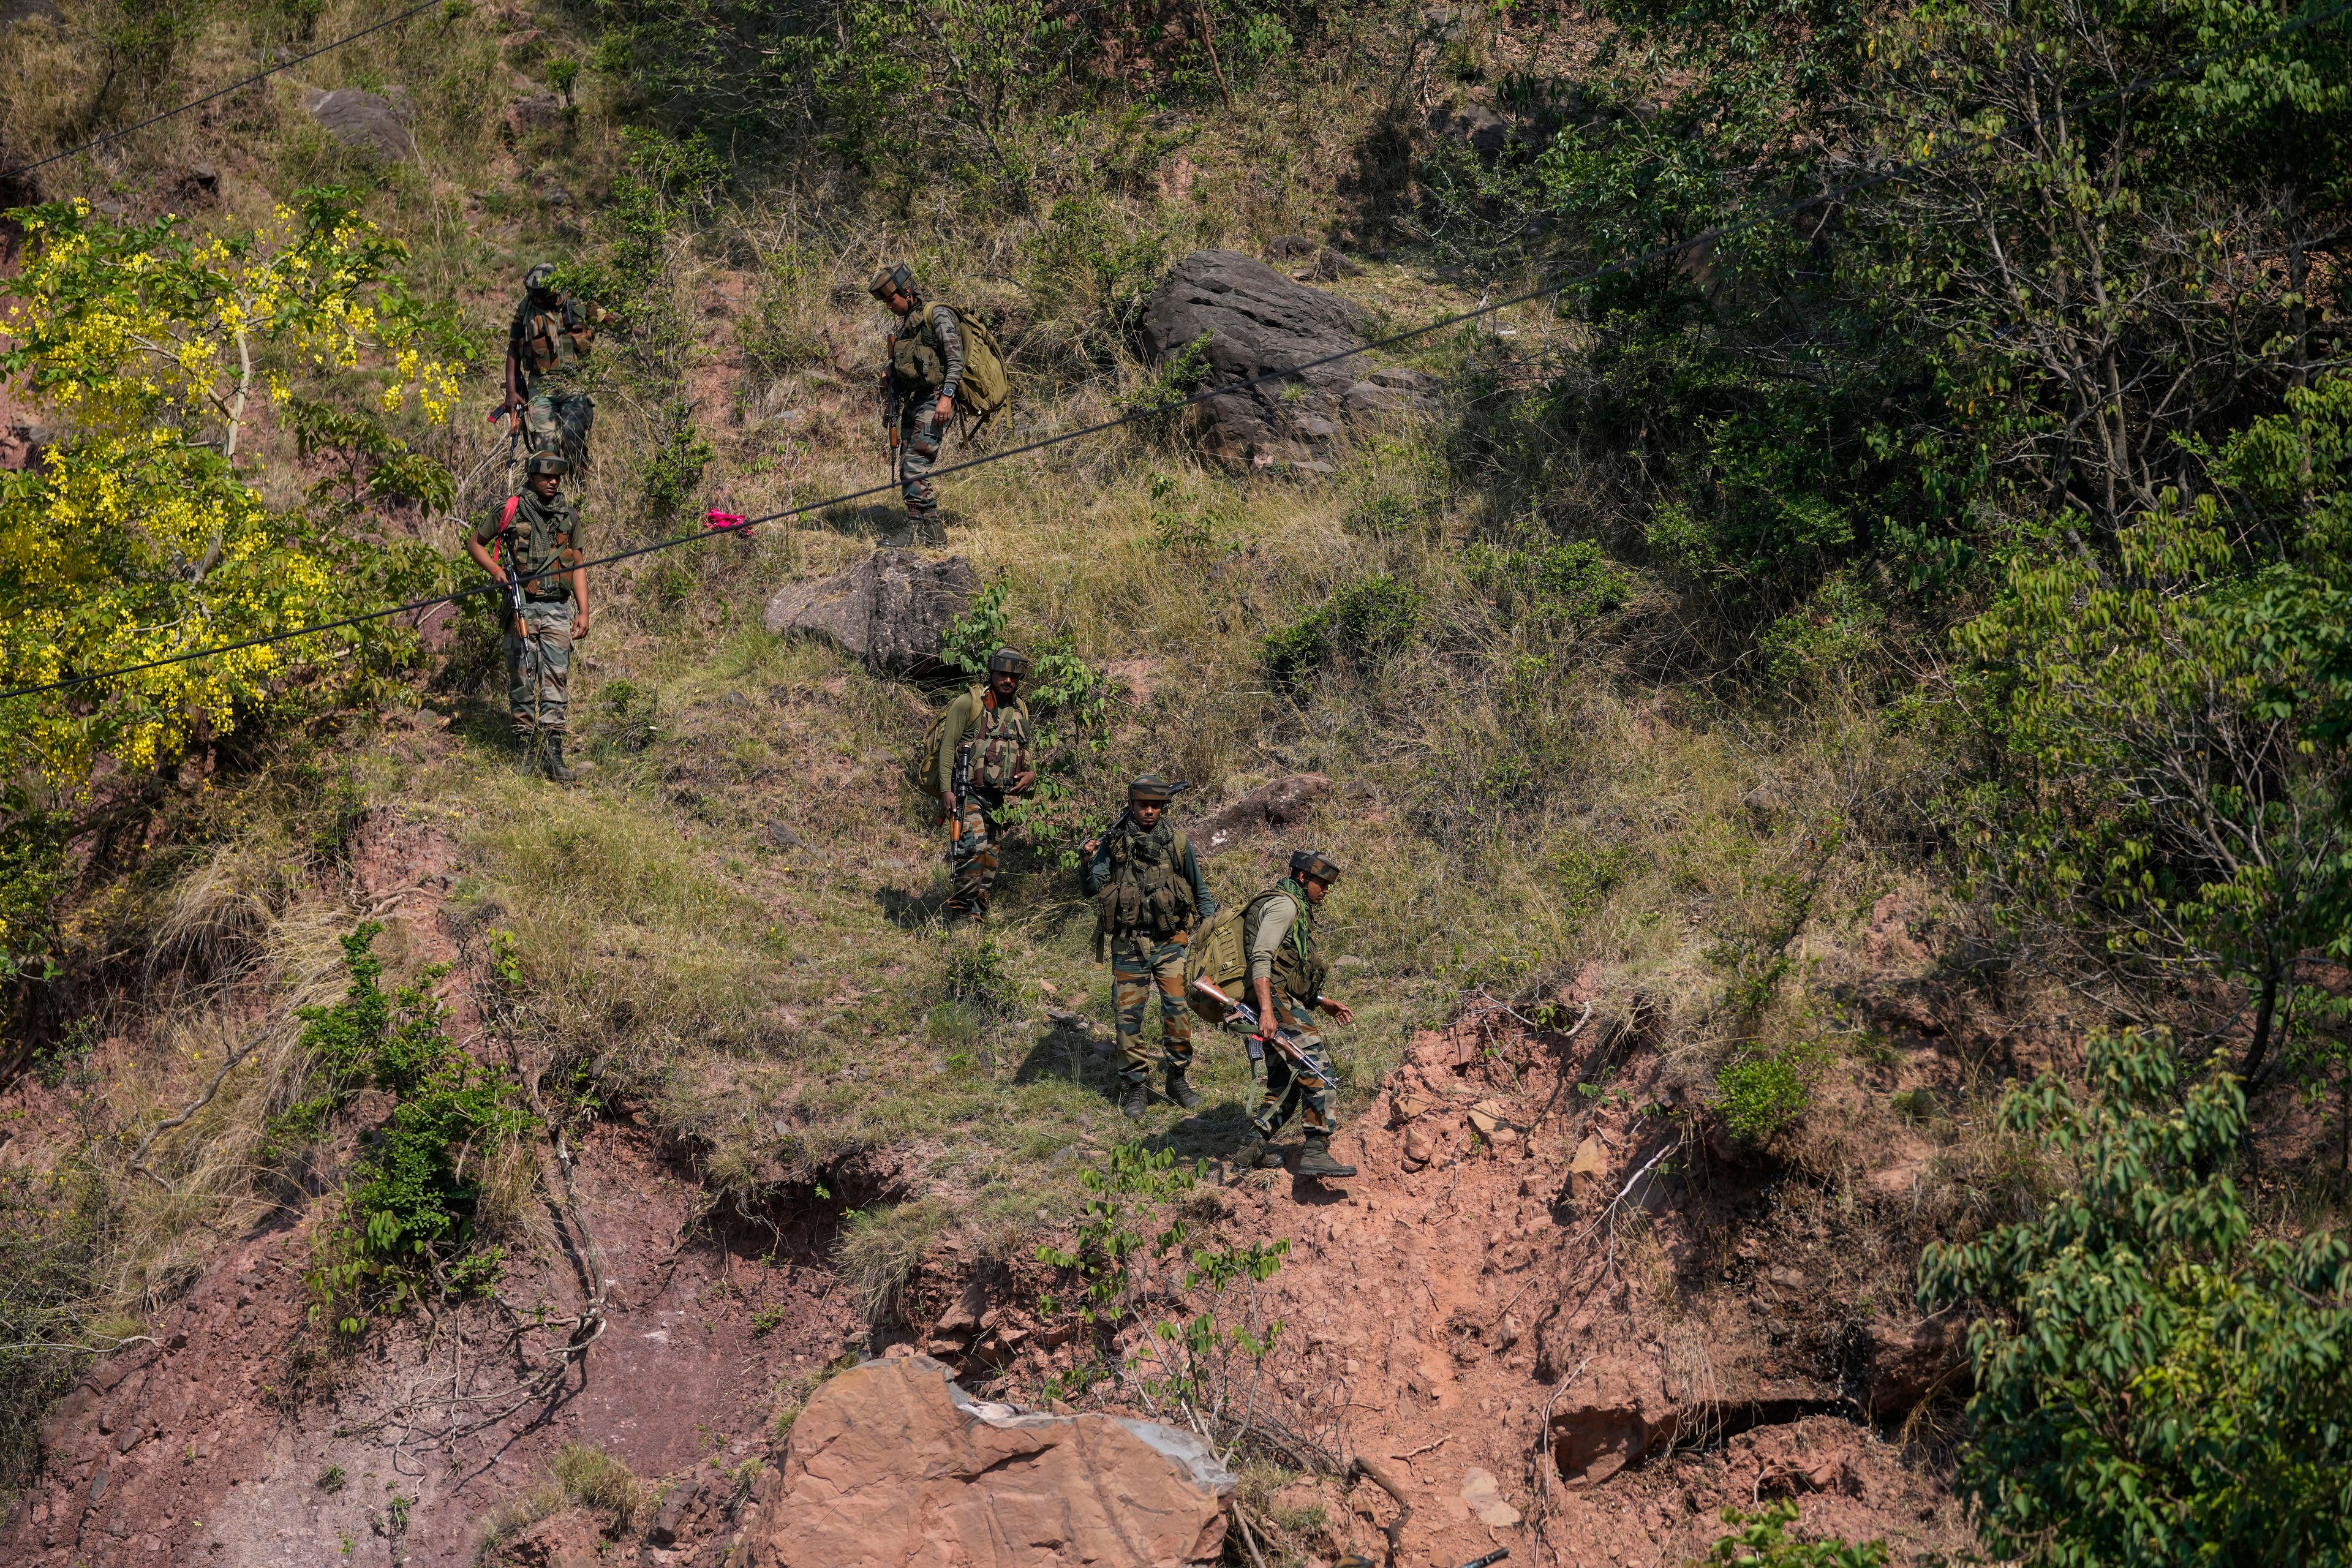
1138, 967
1304, 1086
975, 858
557, 419
916, 432
539, 667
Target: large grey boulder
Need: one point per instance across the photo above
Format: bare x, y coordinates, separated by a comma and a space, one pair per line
1258, 321
888, 611
364, 123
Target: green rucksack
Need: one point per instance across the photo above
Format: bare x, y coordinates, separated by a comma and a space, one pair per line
1218, 953
986, 385
925, 771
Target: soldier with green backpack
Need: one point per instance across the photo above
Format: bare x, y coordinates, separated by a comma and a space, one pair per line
1266, 950
940, 360
1149, 898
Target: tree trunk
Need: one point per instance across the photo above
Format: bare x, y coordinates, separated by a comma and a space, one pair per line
2265, 1010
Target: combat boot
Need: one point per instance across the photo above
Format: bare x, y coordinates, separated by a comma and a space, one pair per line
1183, 1093
551, 761
1136, 1101
1315, 1160
1258, 1154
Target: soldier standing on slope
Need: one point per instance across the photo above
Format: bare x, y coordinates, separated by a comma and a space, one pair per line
537, 535
1286, 983
920, 377
983, 756
547, 356
1152, 897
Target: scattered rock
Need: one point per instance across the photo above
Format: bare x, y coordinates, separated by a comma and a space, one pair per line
779, 835
535, 116
1418, 1146
1486, 1500
889, 611
1906, 1364
672, 1513
21, 445
1589, 1171
1291, 246
1285, 802
566, 1539
194, 186
892, 1465
1476, 126
1328, 266
1256, 321
364, 121
1350, 961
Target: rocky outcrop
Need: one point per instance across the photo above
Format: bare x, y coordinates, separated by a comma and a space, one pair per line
1285, 802
891, 1465
364, 123
888, 611
1256, 321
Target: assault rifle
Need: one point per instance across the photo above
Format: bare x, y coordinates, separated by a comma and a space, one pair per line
1126, 816
1242, 1018
958, 781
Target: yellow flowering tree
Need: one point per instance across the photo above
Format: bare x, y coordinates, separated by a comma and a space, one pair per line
140, 535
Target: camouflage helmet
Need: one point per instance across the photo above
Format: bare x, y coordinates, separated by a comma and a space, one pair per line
547, 463
1149, 790
1008, 661
892, 279
1308, 863
541, 278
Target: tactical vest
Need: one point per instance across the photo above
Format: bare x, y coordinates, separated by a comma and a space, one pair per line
998, 742
1298, 974
539, 537
917, 363
559, 338
1147, 893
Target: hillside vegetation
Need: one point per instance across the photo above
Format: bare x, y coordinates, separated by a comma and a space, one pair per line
1885, 653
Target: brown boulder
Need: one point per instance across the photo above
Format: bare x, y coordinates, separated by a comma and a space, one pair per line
889, 611
892, 1465
1909, 1363
566, 1539
1285, 802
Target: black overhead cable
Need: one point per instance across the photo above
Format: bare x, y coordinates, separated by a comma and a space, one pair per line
1626, 263
223, 92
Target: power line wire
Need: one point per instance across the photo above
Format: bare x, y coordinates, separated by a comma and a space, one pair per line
224, 92
1655, 253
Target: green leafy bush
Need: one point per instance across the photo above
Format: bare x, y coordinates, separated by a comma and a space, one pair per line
1363, 623
1571, 582
408, 1205
1760, 1540
2156, 1383
1763, 1090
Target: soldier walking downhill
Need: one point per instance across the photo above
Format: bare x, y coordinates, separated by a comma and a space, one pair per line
920, 379
535, 541
1286, 982
1152, 897
547, 358
983, 756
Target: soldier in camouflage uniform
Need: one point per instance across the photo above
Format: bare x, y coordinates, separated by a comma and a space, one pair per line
922, 372
547, 357
1152, 897
1286, 981
538, 534
983, 739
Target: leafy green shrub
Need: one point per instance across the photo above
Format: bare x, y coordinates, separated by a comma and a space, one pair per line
407, 1225
1363, 622
1760, 1540
1174, 384
2155, 1382
673, 473
1761, 1091
1571, 582
977, 632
